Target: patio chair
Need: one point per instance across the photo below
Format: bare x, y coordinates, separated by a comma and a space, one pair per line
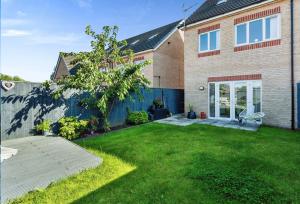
249, 115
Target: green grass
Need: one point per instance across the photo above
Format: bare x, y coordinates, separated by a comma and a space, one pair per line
157, 163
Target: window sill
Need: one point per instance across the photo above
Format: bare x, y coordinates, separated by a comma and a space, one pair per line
209, 53
257, 45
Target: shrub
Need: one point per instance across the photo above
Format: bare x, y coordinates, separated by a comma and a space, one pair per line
93, 124
71, 128
158, 103
44, 126
136, 118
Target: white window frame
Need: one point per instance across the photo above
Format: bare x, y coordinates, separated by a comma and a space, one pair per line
249, 84
218, 43
264, 30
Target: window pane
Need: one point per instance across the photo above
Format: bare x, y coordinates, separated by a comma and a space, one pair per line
240, 97
257, 97
214, 40
204, 42
256, 31
224, 100
241, 34
212, 110
272, 27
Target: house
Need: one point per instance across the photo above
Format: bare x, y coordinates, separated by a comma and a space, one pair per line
239, 54
163, 46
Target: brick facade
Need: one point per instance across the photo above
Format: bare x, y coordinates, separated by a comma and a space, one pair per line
209, 53
271, 63
236, 78
209, 28
168, 63
254, 16
257, 45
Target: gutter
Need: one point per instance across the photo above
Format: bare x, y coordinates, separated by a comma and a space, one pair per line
292, 64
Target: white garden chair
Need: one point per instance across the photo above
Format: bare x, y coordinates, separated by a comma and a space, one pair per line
249, 115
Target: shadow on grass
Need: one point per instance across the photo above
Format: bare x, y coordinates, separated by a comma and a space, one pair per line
78, 186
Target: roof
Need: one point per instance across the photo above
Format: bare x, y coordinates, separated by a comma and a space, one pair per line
211, 8
67, 58
151, 39
143, 42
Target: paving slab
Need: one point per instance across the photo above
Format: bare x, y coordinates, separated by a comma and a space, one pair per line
180, 120
39, 162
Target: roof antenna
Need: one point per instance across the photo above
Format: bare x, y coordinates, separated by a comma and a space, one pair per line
185, 10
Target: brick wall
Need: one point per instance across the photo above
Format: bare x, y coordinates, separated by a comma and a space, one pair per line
148, 70
168, 62
271, 62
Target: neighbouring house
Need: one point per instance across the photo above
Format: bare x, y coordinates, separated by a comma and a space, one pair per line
163, 46
238, 55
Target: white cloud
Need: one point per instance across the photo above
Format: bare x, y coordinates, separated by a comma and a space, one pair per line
8, 22
55, 39
15, 33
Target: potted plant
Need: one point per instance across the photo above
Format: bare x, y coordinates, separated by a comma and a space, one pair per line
44, 127
191, 113
93, 124
158, 104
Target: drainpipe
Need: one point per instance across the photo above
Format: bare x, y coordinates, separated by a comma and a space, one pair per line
292, 64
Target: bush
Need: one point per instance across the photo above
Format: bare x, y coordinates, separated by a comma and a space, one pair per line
158, 103
136, 118
93, 124
43, 126
71, 128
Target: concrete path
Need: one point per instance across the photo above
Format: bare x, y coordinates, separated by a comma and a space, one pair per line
180, 120
41, 160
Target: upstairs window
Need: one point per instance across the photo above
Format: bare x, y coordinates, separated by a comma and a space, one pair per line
241, 34
209, 41
272, 27
256, 31
259, 30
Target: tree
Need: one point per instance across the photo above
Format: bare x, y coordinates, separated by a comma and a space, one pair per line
5, 77
121, 76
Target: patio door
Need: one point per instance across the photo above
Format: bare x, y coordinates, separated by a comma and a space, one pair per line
224, 100
228, 99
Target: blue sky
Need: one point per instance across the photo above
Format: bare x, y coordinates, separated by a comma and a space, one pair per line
33, 32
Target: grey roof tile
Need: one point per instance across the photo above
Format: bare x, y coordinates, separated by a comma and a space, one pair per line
143, 41
211, 8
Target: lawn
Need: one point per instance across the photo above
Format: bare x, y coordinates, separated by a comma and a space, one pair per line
156, 163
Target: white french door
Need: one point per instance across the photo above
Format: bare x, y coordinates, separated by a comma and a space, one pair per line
228, 99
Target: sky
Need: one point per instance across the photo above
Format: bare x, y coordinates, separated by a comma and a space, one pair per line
33, 32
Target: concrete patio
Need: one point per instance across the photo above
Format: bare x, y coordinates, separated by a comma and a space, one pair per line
181, 120
39, 162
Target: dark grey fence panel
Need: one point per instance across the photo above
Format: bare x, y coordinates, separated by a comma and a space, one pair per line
27, 104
